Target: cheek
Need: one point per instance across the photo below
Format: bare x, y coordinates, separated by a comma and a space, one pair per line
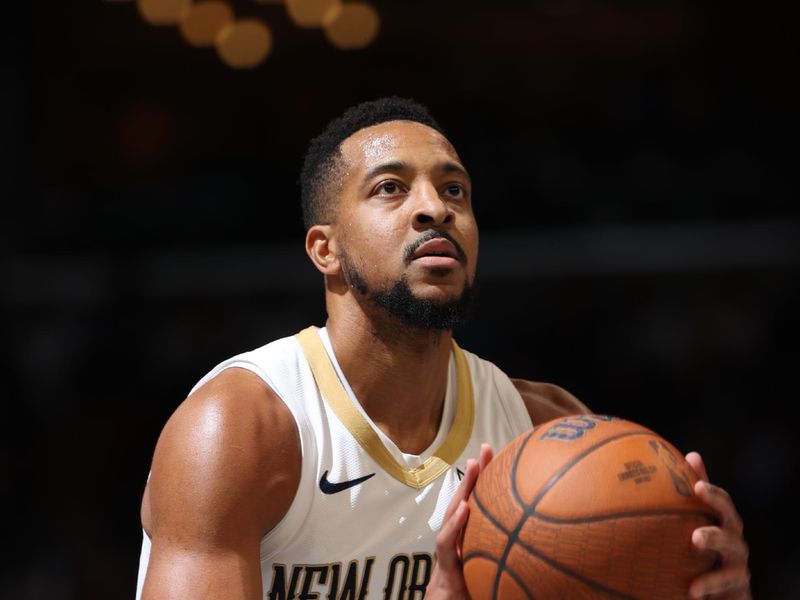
377, 242
381, 229
469, 233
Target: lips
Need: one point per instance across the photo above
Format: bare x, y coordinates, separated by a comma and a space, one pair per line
435, 249
438, 247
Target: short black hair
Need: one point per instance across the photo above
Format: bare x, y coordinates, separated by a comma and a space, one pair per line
318, 178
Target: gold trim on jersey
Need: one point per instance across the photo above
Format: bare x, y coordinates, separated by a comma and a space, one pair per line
338, 399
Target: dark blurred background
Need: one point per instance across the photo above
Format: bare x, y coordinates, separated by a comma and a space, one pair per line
635, 180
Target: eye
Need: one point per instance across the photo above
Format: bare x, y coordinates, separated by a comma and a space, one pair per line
455, 190
388, 188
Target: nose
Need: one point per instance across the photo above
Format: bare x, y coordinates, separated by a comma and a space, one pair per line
430, 209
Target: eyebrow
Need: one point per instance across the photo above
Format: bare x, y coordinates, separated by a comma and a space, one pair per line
394, 166
451, 167
397, 166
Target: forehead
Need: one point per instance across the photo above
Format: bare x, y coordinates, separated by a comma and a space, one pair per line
406, 140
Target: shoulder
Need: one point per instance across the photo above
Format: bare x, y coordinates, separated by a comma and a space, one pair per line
227, 463
546, 401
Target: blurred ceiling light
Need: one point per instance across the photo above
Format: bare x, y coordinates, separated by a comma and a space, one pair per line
163, 12
355, 26
312, 13
201, 24
244, 44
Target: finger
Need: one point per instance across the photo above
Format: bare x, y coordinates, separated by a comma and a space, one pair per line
696, 462
720, 501
468, 481
727, 579
464, 488
731, 547
447, 538
485, 456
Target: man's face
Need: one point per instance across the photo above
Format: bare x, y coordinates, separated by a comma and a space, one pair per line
405, 227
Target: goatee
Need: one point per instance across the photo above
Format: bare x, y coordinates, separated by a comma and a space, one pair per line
421, 313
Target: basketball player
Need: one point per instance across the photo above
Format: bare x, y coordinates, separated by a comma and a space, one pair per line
324, 465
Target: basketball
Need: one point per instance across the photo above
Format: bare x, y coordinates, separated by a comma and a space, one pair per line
583, 507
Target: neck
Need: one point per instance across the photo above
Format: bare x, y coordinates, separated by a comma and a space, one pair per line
396, 372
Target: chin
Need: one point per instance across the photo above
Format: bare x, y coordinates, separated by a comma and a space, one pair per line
427, 305
438, 291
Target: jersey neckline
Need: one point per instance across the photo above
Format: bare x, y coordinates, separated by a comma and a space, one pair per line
352, 418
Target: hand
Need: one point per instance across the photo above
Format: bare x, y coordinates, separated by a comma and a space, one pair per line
732, 579
447, 578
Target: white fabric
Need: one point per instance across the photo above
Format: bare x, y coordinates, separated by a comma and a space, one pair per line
375, 539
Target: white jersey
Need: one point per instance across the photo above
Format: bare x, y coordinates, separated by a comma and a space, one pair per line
364, 520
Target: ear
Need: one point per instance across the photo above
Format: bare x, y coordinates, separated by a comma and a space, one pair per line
321, 249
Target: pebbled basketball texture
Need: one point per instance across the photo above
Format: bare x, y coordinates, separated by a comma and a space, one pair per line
584, 507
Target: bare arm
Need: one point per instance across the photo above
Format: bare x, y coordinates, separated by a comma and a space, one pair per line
225, 471
546, 401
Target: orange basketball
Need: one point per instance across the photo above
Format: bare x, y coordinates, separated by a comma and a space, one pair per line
586, 506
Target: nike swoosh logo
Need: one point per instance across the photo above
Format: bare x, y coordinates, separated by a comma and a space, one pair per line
334, 488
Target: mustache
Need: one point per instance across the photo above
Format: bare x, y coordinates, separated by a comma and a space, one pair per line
432, 234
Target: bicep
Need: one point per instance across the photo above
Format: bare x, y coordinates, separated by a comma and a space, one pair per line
216, 487
183, 570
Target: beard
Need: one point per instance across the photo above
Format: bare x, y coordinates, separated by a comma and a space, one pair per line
399, 301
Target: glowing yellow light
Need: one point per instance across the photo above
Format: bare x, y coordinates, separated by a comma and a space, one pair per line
312, 13
201, 24
355, 26
244, 44
163, 12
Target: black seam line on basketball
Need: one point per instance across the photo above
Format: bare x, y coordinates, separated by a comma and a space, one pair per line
624, 515
327, 487
514, 466
570, 573
513, 538
575, 460
500, 567
489, 515
513, 535
511, 572
501, 527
